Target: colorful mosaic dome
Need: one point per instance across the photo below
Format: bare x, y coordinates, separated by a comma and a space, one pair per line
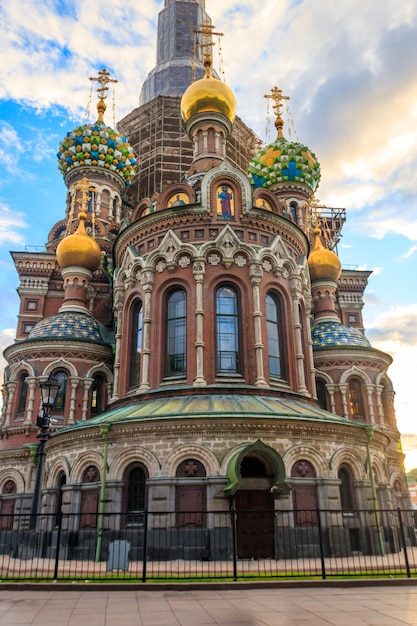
337, 335
284, 161
100, 146
70, 325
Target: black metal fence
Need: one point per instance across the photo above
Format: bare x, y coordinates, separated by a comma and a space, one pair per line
209, 545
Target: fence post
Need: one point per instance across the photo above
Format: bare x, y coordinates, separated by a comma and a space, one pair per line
145, 545
58, 544
402, 535
234, 546
323, 565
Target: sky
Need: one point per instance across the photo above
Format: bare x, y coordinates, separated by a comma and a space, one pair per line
350, 69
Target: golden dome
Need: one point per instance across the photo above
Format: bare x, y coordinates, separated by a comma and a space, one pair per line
79, 249
208, 95
323, 264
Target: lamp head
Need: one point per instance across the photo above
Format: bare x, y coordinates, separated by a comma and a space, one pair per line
49, 389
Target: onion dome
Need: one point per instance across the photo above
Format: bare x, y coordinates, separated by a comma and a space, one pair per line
79, 249
98, 145
208, 95
334, 334
70, 325
283, 161
323, 263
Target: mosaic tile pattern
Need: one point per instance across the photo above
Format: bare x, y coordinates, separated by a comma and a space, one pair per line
70, 325
284, 161
335, 334
97, 145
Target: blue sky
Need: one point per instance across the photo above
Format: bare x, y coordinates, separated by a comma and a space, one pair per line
350, 68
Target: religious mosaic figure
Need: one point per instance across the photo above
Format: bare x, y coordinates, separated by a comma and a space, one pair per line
225, 206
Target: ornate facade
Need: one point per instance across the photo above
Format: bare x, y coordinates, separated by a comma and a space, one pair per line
212, 352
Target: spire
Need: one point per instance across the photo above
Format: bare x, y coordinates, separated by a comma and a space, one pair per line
179, 52
278, 100
103, 79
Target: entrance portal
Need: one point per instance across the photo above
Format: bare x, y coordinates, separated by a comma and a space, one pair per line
255, 524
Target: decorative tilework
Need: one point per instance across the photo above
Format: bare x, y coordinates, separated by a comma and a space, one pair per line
70, 325
284, 161
98, 145
335, 334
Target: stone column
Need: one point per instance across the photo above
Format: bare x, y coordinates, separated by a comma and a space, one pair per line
31, 381
147, 283
11, 390
295, 294
87, 382
199, 271
255, 275
74, 381
343, 391
369, 394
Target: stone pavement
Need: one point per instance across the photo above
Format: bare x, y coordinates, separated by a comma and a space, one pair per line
300, 605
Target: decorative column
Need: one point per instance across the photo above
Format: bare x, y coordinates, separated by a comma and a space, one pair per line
118, 309
147, 283
87, 382
295, 293
74, 384
255, 275
307, 304
11, 390
379, 405
369, 394
343, 391
199, 271
31, 381
331, 389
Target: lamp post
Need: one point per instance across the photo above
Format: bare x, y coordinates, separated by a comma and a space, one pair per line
49, 389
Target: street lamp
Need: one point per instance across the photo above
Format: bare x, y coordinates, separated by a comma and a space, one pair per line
49, 389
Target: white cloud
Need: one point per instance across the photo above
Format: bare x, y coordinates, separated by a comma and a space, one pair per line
10, 223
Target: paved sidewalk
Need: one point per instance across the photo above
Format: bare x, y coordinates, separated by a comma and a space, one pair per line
301, 606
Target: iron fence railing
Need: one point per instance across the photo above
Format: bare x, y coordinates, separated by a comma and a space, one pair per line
209, 545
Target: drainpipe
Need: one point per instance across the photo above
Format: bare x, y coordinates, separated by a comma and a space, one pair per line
104, 430
369, 431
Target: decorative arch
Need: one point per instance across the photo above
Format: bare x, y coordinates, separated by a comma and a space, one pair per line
354, 371
314, 456
351, 458
61, 364
18, 368
56, 466
272, 459
90, 457
225, 172
180, 453
129, 456
15, 476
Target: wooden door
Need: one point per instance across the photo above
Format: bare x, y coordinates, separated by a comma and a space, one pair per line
305, 505
255, 526
89, 508
190, 505
6, 517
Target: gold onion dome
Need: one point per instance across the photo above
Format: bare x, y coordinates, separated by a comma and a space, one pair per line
79, 249
323, 263
208, 95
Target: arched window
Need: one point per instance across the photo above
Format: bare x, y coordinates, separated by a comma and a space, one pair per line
62, 480
274, 331
347, 493
136, 345
227, 331
23, 392
190, 497
134, 494
176, 334
356, 406
98, 400
321, 394
59, 404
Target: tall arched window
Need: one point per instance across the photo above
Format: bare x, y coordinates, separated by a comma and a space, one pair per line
227, 331
136, 345
134, 494
356, 405
98, 399
347, 494
273, 329
176, 334
321, 394
59, 404
23, 392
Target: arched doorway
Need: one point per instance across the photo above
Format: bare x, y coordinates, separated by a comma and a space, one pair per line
255, 517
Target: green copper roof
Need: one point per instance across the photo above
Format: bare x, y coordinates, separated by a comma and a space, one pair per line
214, 406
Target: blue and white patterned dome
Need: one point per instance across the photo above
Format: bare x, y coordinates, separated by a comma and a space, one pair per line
337, 335
72, 325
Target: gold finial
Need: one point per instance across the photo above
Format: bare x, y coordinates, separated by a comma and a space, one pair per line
103, 79
85, 187
278, 99
207, 30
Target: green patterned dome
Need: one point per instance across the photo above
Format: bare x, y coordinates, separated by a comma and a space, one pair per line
97, 145
284, 161
337, 335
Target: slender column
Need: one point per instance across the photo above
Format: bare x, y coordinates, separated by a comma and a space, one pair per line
255, 275
118, 337
369, 394
331, 389
295, 293
147, 282
87, 382
11, 390
74, 384
307, 303
199, 271
31, 396
379, 405
343, 391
